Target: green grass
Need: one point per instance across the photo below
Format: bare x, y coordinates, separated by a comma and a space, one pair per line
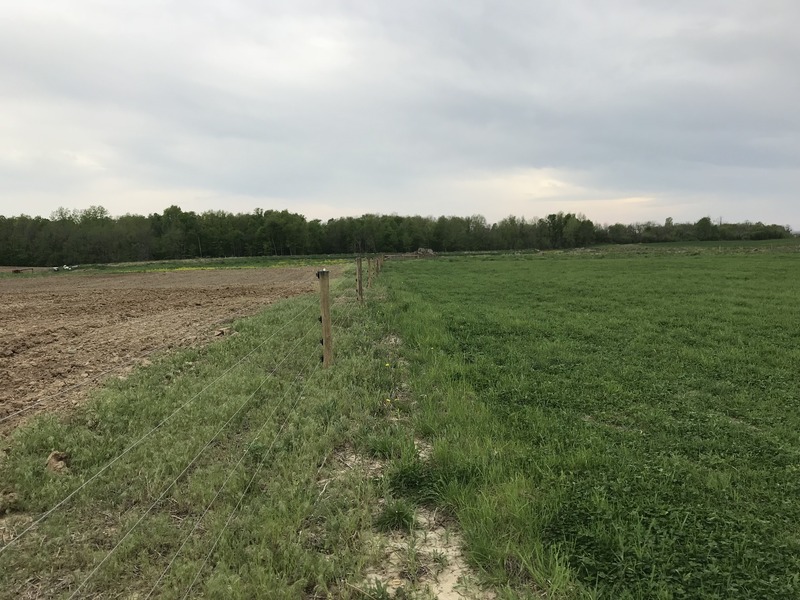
200, 264
276, 418
191, 264
781, 246
792, 243
621, 429
396, 515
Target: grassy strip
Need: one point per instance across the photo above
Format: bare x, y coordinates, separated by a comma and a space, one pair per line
781, 246
246, 515
190, 264
621, 429
201, 264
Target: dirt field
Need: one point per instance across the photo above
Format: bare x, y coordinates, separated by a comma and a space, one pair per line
61, 335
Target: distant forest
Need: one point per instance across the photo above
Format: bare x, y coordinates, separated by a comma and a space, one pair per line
94, 236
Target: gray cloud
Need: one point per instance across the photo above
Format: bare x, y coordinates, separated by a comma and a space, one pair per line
417, 107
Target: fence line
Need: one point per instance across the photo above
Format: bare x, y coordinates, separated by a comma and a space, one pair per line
230, 474
188, 466
231, 471
337, 301
97, 377
224, 483
150, 432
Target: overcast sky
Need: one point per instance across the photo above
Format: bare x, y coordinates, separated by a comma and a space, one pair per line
622, 110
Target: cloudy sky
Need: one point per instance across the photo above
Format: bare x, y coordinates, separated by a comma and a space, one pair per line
623, 110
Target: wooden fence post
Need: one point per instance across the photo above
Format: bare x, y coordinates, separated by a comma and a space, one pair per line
369, 272
359, 281
325, 317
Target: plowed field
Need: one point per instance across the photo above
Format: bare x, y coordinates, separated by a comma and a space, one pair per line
60, 335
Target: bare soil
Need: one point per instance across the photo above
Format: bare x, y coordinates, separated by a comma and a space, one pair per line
427, 562
62, 335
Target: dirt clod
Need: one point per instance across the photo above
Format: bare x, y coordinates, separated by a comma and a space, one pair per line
57, 462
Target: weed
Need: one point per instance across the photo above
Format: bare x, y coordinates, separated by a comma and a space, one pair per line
391, 442
396, 515
440, 560
375, 591
409, 476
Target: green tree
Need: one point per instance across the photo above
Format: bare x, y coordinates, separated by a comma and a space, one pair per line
706, 230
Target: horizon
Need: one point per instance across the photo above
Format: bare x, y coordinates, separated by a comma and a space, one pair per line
528, 219
631, 113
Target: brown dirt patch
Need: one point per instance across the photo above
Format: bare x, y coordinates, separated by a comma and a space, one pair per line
62, 335
426, 564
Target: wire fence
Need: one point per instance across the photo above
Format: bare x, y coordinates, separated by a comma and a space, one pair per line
303, 374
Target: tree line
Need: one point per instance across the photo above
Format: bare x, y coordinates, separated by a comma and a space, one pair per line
94, 236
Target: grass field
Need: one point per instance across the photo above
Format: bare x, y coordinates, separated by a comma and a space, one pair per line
628, 427
201, 471
605, 424
194, 264
244, 262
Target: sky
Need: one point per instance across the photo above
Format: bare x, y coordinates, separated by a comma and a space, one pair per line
625, 111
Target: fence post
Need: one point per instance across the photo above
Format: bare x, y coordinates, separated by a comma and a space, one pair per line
325, 317
359, 281
369, 272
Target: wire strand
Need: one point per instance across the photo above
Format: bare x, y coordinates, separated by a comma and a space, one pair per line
186, 469
249, 484
252, 479
148, 434
224, 483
